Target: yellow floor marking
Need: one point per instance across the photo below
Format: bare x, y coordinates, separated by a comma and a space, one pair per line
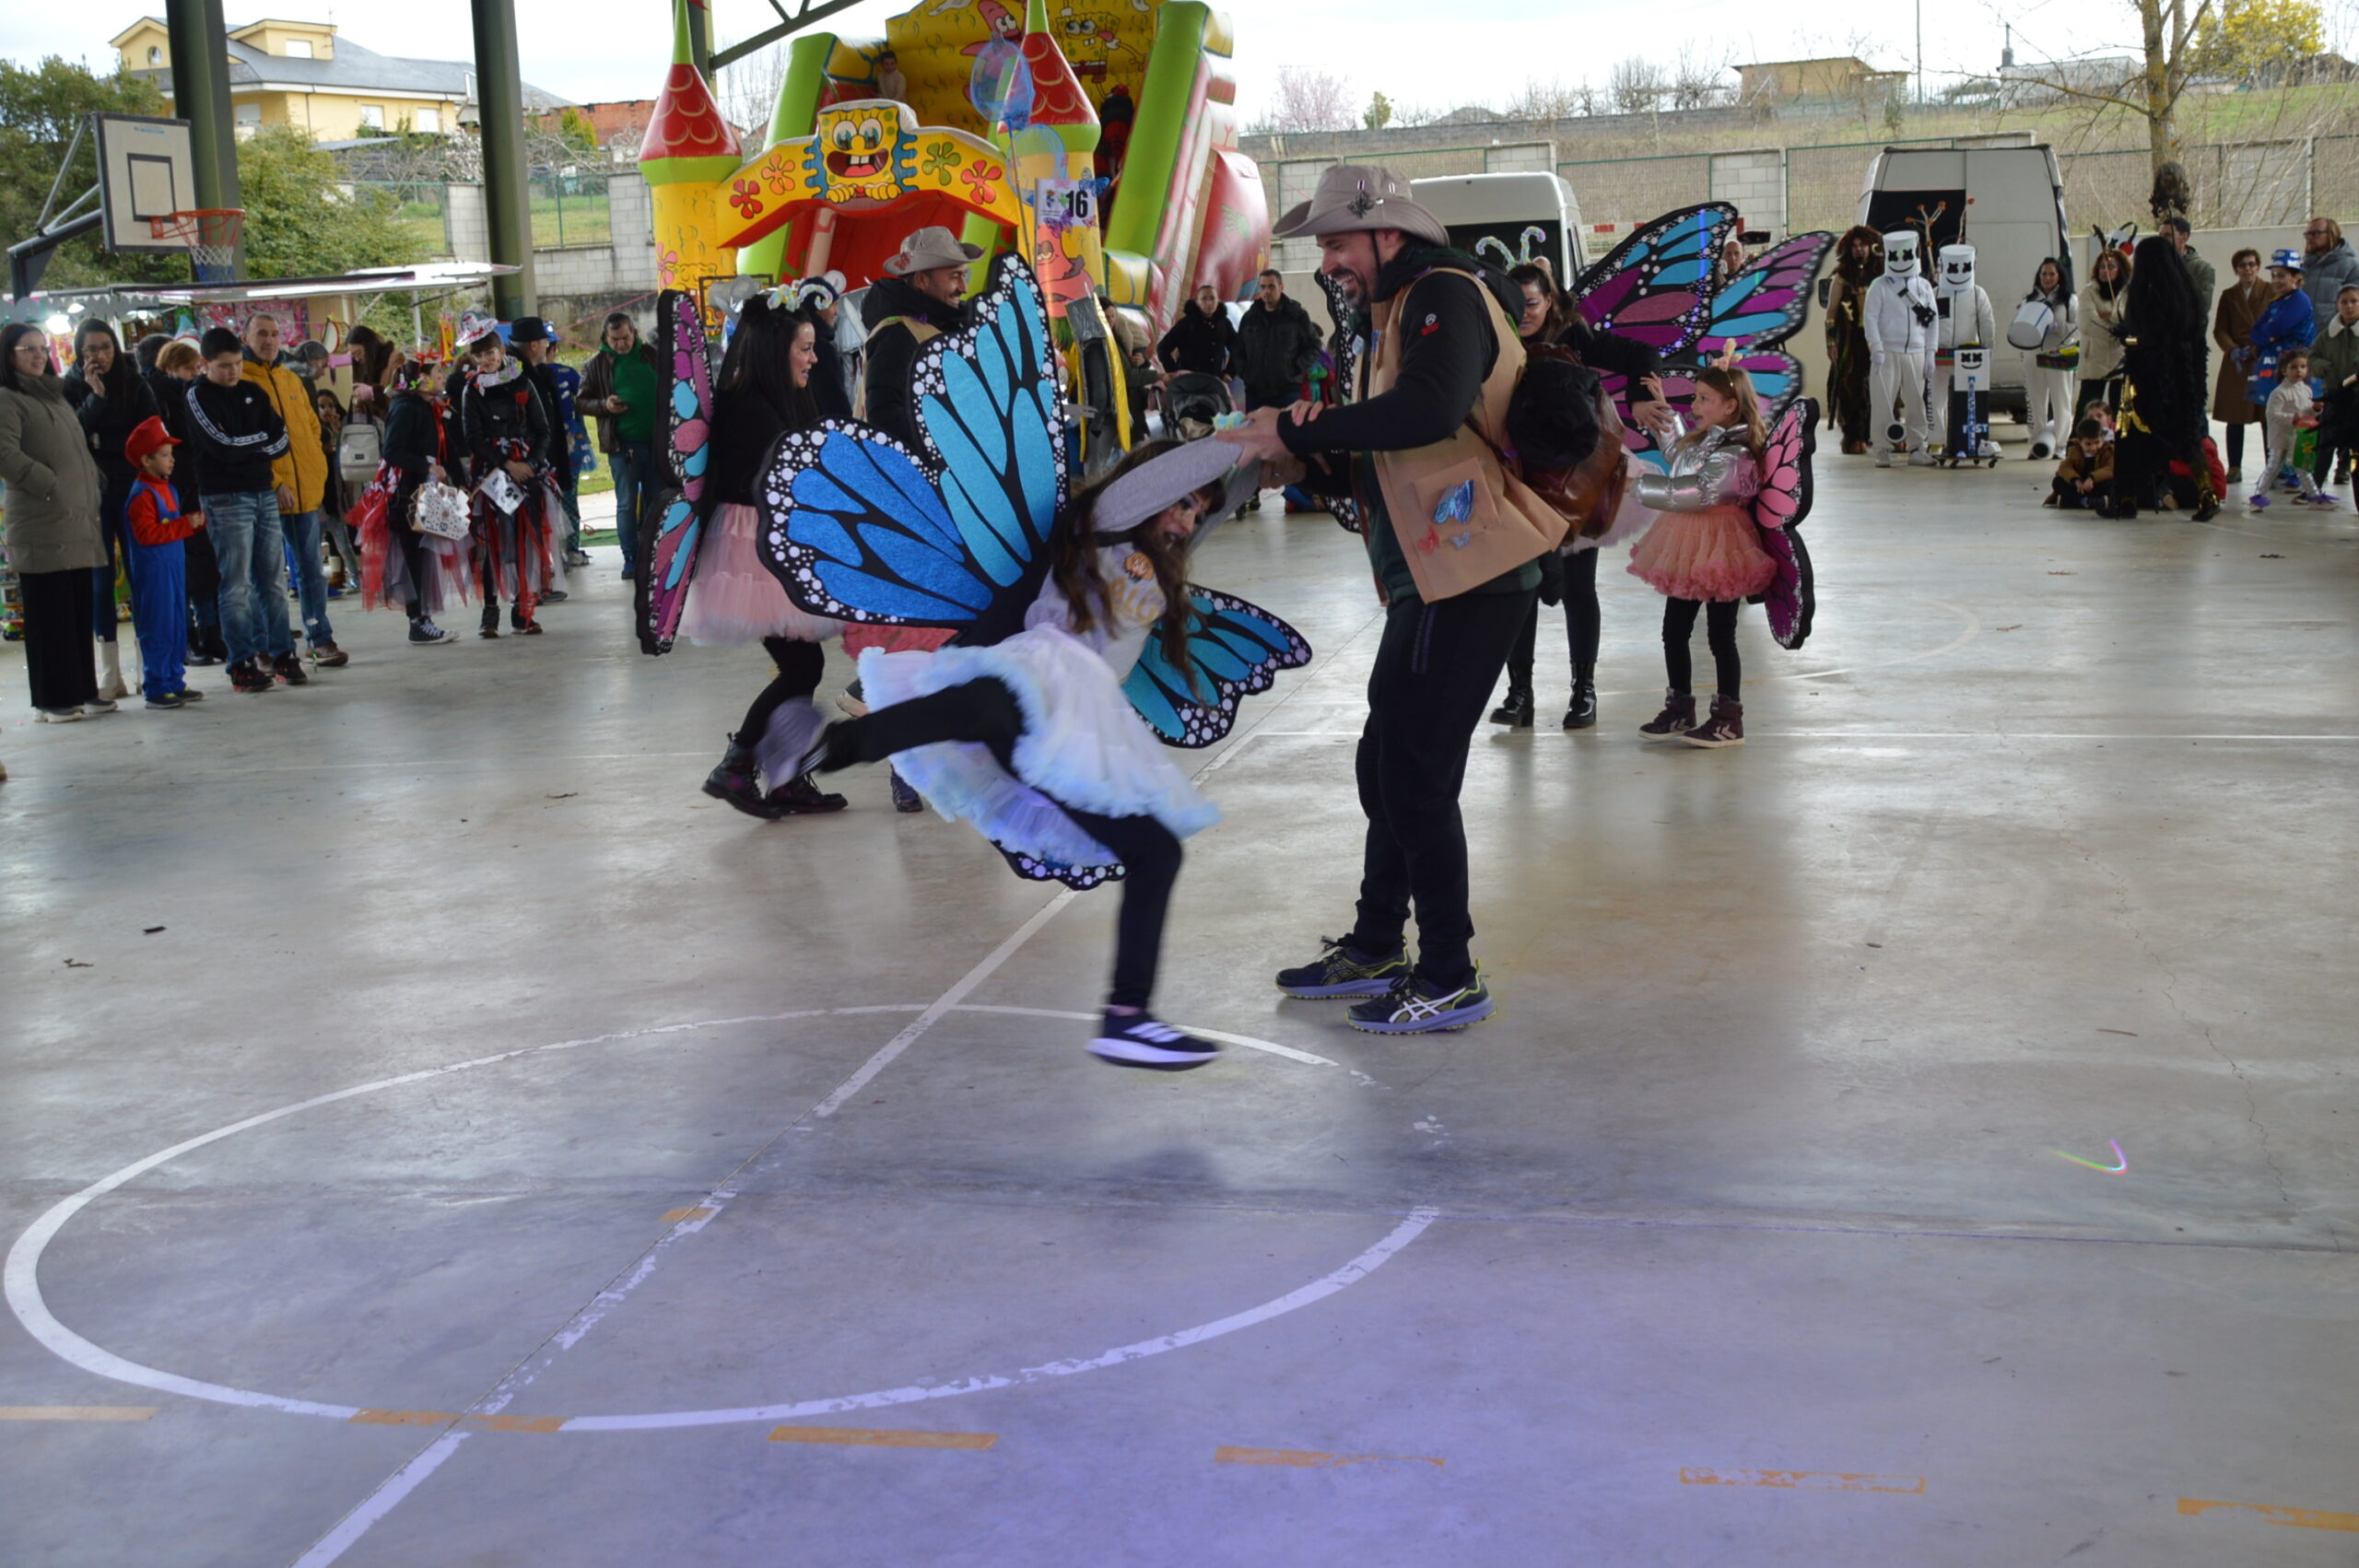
2306, 1518
1802, 1481
447, 1417
1304, 1458
863, 1437
77, 1412
674, 1217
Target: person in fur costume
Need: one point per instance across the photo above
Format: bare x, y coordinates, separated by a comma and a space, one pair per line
2163, 405
1858, 260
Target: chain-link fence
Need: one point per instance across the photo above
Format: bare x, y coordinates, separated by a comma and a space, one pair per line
422, 212
569, 208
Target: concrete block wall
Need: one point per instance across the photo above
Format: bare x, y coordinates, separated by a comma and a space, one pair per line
469, 226
1755, 182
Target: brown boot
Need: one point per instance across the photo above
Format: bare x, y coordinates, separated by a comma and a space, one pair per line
1678, 717
1724, 728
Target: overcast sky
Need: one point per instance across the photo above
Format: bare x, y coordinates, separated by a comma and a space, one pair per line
1394, 46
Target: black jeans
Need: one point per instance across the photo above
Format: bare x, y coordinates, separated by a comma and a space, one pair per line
1435, 669
1584, 623
1719, 632
799, 664
2236, 445
985, 712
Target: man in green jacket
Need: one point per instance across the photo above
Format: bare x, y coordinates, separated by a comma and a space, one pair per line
623, 391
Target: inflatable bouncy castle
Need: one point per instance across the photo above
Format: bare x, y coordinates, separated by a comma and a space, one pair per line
1101, 145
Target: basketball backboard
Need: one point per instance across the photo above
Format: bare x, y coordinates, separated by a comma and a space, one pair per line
145, 172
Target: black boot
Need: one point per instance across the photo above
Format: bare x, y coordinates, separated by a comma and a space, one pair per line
1516, 712
734, 781
1582, 711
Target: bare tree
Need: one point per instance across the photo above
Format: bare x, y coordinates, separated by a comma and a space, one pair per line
748, 92
2171, 50
1551, 99
1637, 84
1307, 101
1697, 78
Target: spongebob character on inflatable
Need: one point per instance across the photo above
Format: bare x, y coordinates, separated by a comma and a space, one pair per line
861, 159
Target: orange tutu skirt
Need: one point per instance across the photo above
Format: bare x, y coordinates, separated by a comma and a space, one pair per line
1715, 553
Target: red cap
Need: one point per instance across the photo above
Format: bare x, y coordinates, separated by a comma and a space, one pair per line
149, 436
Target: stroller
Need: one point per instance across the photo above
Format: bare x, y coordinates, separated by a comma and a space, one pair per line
1193, 401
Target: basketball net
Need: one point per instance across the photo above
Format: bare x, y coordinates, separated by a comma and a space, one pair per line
211, 235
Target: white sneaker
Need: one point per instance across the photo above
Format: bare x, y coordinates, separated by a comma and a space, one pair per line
1884, 458
1920, 457
60, 715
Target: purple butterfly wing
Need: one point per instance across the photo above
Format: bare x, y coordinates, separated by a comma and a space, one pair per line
1653, 286
668, 561
1790, 600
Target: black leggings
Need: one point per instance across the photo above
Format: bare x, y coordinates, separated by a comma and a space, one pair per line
1720, 630
985, 713
799, 667
1583, 622
2236, 445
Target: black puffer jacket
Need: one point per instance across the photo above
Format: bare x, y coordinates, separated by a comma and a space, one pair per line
1275, 349
108, 422
1205, 345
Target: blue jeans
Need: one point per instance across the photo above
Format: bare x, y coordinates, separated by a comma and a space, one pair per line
637, 487
247, 542
304, 534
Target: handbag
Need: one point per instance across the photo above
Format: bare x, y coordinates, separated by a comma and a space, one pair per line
358, 449
439, 509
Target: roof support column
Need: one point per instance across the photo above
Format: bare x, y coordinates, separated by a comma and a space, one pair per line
200, 49
507, 194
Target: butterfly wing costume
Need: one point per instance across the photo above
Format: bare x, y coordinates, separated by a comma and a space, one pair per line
1779, 507
669, 559
860, 528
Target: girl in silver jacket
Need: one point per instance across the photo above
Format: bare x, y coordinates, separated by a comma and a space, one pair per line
1705, 553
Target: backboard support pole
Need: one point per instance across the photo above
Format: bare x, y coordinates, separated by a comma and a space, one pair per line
200, 45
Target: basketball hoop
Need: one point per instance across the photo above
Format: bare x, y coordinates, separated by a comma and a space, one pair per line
211, 235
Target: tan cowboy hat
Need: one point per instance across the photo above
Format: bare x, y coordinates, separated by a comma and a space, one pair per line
1353, 198
929, 248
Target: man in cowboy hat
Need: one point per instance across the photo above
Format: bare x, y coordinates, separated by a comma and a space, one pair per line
1453, 537
917, 299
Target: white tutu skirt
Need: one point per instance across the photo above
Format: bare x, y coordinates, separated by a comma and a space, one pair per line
734, 598
1083, 745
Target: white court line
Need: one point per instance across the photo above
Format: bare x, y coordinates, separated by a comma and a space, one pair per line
382, 1502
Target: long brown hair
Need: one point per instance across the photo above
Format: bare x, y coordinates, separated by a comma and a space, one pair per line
1737, 387
1073, 560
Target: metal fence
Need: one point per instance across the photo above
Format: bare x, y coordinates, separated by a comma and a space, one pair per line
569, 208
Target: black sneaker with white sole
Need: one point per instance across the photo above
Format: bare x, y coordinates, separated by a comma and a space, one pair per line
1344, 971
1417, 1006
1140, 1039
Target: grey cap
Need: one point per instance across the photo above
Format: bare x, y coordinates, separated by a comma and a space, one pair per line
1354, 198
1166, 478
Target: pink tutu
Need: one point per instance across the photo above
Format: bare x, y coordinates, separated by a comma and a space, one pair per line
1715, 553
733, 597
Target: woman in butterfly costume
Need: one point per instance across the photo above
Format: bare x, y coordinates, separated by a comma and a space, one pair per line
764, 391
1079, 651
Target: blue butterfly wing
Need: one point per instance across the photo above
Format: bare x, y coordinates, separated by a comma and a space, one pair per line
1236, 648
859, 528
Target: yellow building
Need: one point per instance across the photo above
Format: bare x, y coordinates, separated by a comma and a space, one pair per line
302, 74
1839, 76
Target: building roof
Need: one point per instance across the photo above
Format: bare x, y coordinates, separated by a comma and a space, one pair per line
355, 69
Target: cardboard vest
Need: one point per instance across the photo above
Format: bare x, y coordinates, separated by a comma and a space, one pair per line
1461, 516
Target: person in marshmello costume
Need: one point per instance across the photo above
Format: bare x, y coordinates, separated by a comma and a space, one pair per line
1965, 318
1901, 317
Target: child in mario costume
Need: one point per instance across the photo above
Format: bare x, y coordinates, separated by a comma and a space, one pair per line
158, 565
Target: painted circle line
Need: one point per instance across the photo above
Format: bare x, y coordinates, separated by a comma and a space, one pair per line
20, 1277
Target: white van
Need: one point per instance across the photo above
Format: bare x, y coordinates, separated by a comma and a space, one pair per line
2015, 222
1504, 219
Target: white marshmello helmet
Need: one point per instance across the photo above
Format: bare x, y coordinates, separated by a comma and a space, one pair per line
1957, 268
1900, 253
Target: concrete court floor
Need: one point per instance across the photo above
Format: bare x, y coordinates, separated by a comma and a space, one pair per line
1737, 1238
